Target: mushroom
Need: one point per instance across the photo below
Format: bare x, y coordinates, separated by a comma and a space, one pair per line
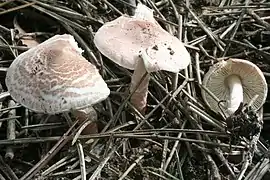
54, 77
237, 81
139, 43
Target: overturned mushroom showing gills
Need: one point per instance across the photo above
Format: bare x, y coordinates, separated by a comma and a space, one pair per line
54, 77
124, 39
237, 81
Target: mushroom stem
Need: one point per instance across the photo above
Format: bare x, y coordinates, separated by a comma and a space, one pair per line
236, 93
139, 97
89, 114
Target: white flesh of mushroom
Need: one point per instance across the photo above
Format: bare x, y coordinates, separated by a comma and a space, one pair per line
144, 13
139, 97
236, 93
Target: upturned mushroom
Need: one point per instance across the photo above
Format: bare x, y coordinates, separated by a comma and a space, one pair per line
139, 43
54, 77
236, 81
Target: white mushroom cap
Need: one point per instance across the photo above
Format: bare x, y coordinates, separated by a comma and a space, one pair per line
122, 39
251, 77
54, 77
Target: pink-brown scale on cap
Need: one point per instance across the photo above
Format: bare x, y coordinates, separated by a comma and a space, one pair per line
54, 77
122, 40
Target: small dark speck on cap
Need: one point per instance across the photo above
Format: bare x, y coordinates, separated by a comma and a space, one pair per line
171, 52
155, 47
64, 101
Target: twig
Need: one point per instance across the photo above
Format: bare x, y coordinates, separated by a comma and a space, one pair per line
79, 149
103, 162
10, 131
131, 167
17, 8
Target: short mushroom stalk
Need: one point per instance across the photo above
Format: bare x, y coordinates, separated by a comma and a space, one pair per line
90, 115
236, 93
139, 97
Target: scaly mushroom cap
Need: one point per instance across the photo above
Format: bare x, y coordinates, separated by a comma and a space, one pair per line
122, 39
252, 79
54, 77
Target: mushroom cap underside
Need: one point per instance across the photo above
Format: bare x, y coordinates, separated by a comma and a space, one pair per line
252, 79
54, 77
